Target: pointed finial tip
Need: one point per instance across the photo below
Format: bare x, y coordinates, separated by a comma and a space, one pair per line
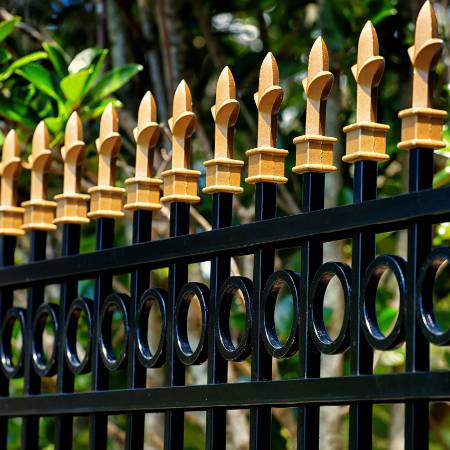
40, 137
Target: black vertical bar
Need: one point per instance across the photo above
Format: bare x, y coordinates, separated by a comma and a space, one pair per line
217, 365
32, 382
65, 379
361, 353
7, 248
313, 186
178, 276
421, 164
260, 417
140, 280
98, 423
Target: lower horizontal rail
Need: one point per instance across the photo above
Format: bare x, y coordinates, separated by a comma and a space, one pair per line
324, 391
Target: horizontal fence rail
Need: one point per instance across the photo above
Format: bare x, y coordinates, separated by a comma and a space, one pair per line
88, 289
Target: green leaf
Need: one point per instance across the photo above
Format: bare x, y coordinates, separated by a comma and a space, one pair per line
17, 111
57, 57
97, 65
84, 59
24, 60
73, 86
7, 27
54, 124
95, 110
113, 80
41, 78
4, 55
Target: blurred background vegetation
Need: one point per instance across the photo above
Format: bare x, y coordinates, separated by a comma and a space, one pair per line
63, 55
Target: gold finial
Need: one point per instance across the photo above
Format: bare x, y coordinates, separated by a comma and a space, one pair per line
366, 139
72, 206
39, 211
11, 216
106, 199
314, 150
223, 173
266, 162
180, 182
143, 191
421, 124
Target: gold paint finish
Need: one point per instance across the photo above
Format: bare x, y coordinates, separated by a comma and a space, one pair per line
223, 173
39, 211
266, 162
366, 139
421, 124
107, 199
314, 151
71, 205
143, 190
180, 182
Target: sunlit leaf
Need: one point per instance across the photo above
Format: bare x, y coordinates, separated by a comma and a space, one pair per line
23, 61
57, 57
73, 86
7, 27
84, 59
41, 78
112, 81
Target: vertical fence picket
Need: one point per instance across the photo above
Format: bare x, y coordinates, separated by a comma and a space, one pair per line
222, 181
71, 214
421, 125
106, 205
143, 198
266, 169
180, 189
366, 145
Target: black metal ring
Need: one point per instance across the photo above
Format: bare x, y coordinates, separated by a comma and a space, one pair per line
113, 302
43, 366
186, 354
78, 306
9, 369
319, 334
144, 353
223, 335
269, 298
425, 285
369, 320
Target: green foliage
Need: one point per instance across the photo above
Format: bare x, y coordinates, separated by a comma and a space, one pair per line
49, 85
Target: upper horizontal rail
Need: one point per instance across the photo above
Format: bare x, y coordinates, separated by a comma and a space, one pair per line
379, 215
324, 391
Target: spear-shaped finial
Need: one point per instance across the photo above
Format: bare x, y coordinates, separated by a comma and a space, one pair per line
314, 150
223, 173
421, 124
366, 139
106, 199
11, 216
266, 162
180, 182
39, 211
143, 191
72, 206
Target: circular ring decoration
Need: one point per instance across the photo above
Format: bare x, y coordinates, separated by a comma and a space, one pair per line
111, 304
269, 298
187, 355
149, 298
425, 285
369, 320
79, 306
319, 333
43, 366
224, 340
9, 369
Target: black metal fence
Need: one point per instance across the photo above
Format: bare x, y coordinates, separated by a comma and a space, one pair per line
360, 334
